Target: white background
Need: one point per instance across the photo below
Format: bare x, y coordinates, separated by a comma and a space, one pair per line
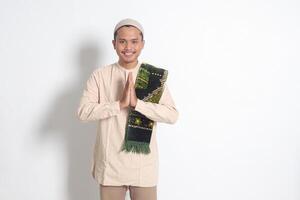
233, 74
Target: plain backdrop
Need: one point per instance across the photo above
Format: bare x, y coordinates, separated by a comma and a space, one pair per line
233, 74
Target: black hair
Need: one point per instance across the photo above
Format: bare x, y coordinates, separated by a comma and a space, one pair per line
116, 32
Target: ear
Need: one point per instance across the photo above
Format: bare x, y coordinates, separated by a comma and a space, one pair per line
143, 44
114, 43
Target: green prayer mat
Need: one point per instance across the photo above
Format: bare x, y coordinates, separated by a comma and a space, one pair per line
149, 86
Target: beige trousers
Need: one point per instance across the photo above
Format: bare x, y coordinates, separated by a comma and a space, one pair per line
119, 192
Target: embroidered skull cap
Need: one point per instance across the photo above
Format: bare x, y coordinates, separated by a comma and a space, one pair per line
131, 22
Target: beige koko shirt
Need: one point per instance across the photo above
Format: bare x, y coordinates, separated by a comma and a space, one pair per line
100, 102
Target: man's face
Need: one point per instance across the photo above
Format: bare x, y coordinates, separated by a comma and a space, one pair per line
128, 44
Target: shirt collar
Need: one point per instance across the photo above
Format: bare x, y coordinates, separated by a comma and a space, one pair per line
129, 70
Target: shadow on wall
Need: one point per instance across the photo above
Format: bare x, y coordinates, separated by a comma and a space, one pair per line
78, 137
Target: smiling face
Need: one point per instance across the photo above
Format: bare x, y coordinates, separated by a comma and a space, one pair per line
128, 45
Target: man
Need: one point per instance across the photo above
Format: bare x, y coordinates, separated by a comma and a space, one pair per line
125, 154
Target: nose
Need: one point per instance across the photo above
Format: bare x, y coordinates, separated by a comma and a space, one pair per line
128, 45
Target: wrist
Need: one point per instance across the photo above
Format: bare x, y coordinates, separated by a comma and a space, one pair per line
121, 105
135, 103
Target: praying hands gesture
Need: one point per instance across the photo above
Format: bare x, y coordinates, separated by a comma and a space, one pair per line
128, 97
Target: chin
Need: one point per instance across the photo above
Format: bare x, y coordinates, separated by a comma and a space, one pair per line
126, 60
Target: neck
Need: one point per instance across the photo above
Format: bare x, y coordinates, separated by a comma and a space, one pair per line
128, 65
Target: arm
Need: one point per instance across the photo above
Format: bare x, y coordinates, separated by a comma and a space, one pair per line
164, 111
90, 107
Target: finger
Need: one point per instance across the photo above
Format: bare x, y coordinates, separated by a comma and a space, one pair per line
128, 93
128, 86
132, 83
130, 77
133, 91
127, 83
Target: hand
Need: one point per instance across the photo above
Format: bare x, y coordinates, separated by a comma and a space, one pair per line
133, 98
125, 99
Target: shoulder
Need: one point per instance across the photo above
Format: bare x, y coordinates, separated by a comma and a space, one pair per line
103, 68
153, 67
103, 71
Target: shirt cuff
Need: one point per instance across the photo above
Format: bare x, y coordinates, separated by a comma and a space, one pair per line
139, 105
115, 107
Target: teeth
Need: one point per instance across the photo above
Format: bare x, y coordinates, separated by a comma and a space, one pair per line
127, 54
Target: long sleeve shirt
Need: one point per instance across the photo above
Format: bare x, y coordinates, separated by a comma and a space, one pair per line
100, 103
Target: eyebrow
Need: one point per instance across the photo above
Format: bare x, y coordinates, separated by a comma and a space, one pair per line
130, 39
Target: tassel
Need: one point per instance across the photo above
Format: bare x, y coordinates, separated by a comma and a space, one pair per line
136, 147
